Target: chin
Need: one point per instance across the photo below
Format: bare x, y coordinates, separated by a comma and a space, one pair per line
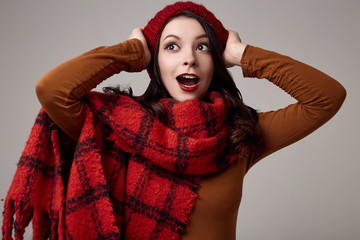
184, 98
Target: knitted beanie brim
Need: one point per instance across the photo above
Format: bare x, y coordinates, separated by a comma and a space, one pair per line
155, 25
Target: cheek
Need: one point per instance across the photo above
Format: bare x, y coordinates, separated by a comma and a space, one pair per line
165, 65
208, 68
168, 68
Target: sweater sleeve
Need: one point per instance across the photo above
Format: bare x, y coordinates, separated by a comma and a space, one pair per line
61, 89
318, 97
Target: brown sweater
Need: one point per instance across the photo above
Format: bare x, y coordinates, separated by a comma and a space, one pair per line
214, 217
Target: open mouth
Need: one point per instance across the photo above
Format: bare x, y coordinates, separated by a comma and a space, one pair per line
188, 82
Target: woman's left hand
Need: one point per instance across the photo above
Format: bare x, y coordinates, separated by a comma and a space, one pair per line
234, 50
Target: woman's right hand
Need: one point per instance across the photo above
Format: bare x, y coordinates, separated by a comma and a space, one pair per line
137, 33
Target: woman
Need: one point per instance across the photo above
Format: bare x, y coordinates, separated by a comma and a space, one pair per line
191, 118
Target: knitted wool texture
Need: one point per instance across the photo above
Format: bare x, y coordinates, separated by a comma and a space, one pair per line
153, 28
128, 177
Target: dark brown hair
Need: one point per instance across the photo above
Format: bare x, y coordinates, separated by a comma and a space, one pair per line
243, 119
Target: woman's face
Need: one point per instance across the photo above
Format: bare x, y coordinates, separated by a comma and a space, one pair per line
184, 59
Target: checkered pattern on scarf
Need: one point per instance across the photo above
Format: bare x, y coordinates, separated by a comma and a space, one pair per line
129, 177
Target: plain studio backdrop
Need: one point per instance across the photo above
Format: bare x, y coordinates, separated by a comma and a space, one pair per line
309, 190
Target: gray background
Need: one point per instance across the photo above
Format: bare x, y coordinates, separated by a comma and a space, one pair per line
309, 190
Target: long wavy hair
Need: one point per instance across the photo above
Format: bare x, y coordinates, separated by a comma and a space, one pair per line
242, 119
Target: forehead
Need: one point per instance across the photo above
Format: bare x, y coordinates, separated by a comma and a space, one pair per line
183, 26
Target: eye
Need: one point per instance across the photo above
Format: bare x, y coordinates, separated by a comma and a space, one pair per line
172, 47
203, 47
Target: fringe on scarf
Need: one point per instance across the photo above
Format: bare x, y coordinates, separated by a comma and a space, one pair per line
35, 167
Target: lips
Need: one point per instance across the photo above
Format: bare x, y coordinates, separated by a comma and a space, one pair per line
188, 82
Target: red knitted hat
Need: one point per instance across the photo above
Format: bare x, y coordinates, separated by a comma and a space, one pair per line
154, 26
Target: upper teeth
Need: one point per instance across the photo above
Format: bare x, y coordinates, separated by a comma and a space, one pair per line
188, 77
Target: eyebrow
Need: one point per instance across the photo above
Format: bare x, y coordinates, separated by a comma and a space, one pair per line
177, 37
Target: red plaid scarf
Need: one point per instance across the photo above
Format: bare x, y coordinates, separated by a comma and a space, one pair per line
131, 177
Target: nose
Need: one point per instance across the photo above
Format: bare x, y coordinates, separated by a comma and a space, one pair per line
191, 63
190, 59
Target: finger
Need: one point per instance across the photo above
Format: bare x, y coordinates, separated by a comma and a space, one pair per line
134, 34
234, 35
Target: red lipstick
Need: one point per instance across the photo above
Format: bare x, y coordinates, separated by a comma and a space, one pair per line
188, 82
